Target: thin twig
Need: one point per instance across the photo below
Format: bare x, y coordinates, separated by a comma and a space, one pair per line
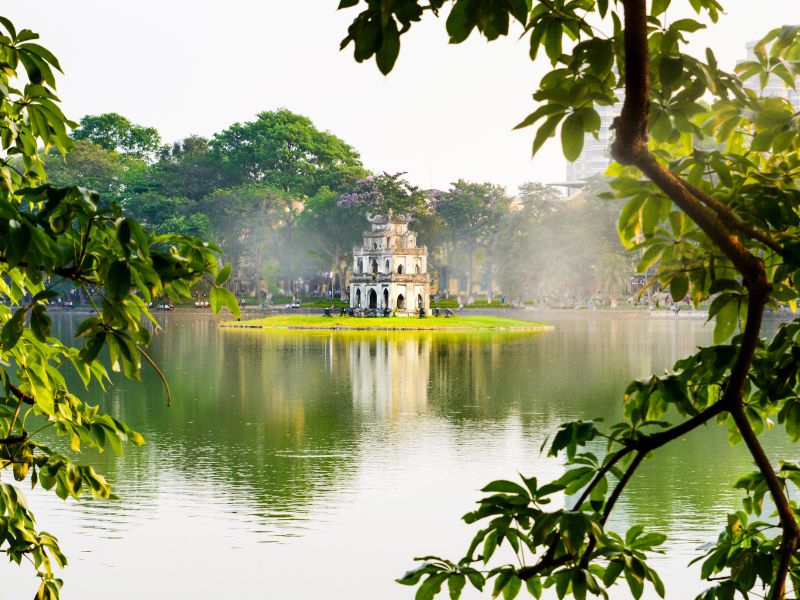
160, 373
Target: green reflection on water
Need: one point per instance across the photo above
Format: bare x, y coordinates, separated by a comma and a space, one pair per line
271, 430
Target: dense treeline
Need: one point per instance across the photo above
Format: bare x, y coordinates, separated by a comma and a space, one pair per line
286, 203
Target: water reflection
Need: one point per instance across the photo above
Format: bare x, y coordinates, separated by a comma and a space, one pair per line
389, 374
357, 451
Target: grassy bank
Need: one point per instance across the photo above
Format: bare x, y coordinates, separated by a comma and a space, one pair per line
459, 323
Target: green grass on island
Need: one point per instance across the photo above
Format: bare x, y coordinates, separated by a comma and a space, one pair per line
457, 323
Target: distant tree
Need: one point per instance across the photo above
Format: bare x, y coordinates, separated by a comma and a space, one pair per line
114, 132
523, 237
162, 214
538, 198
88, 165
719, 221
54, 238
285, 150
246, 221
189, 169
470, 214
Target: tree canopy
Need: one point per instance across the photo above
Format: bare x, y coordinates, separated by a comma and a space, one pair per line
114, 132
708, 170
193, 187
286, 151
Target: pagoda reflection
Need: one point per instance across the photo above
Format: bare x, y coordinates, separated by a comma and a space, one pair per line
389, 375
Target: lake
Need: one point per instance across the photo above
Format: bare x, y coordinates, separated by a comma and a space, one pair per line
317, 464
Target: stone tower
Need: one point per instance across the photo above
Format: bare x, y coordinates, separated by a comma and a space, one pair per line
390, 270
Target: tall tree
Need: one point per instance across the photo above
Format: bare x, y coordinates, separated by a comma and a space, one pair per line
523, 244
114, 132
285, 150
189, 169
88, 165
246, 222
719, 222
470, 214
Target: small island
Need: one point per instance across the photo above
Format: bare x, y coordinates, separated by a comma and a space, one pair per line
345, 323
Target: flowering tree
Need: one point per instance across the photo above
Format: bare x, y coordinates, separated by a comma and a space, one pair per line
377, 194
708, 169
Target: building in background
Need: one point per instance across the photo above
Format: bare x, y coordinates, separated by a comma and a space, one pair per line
775, 85
595, 157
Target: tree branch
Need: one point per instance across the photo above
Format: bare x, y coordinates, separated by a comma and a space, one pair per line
791, 531
630, 144
24, 397
731, 220
13, 439
159, 372
600, 474
642, 446
71, 273
719, 223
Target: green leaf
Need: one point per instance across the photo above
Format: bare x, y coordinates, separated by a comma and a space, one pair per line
649, 541
670, 70
572, 133
430, 587
413, 576
650, 257
46, 295
552, 40
678, 287
118, 284
512, 588
461, 21
40, 322
223, 275
386, 55
726, 320
220, 297
579, 584
13, 329
635, 583
612, 571
42, 52
505, 487
19, 238
689, 25
455, 584
489, 545
545, 131
534, 587
500, 583
658, 7
790, 415
475, 578
542, 111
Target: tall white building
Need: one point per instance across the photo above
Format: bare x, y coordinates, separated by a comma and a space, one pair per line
594, 158
775, 85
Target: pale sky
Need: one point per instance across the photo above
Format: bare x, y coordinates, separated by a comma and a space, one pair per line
445, 112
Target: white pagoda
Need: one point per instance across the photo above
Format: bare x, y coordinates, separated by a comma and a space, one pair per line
390, 270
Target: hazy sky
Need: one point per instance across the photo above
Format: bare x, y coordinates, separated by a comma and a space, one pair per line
445, 112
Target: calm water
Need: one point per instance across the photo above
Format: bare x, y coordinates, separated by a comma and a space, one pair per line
316, 465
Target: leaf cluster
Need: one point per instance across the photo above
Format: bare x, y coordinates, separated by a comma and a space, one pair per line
52, 240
